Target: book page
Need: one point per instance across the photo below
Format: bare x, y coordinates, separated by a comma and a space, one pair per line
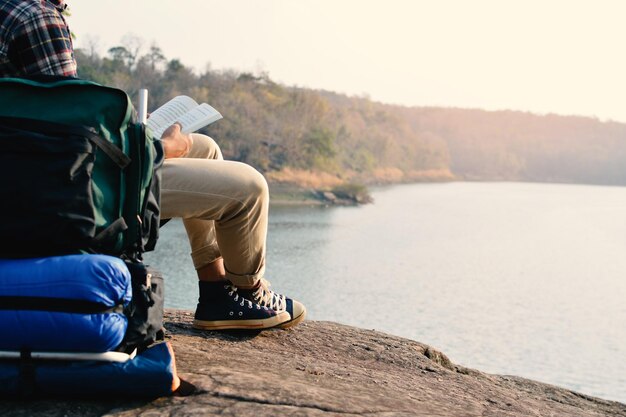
198, 117
170, 112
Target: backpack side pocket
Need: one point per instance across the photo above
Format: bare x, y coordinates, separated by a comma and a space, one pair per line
46, 180
145, 311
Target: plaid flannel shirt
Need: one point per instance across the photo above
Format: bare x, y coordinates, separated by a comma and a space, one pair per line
35, 39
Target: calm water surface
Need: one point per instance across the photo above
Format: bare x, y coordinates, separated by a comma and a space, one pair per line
509, 278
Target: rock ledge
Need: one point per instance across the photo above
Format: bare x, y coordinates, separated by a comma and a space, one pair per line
327, 369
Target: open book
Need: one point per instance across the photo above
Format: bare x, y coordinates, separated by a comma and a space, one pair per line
184, 110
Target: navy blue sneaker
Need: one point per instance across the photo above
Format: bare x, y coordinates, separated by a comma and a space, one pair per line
221, 307
265, 297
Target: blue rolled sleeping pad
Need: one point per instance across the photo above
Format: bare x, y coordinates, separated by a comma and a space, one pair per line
149, 374
68, 303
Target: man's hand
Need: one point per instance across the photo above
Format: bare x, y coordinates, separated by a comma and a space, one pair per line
175, 143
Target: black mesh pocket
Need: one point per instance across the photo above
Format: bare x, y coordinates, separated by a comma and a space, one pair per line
145, 311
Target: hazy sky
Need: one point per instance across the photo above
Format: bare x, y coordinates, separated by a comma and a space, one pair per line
566, 57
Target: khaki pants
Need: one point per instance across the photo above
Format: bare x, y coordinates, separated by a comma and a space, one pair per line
224, 207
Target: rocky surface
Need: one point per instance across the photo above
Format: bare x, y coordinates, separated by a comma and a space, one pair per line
326, 369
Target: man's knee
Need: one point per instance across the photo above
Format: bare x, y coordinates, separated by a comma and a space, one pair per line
204, 147
256, 184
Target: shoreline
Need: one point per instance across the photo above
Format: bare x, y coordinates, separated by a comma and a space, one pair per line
305, 187
282, 194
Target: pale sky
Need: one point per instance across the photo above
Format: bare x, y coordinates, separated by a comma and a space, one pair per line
543, 56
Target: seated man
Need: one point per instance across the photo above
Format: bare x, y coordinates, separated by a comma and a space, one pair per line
223, 204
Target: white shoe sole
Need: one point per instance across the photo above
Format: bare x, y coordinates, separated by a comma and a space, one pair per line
267, 323
294, 321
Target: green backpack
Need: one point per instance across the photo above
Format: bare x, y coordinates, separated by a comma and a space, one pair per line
78, 173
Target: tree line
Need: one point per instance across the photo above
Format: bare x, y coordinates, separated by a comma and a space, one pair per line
278, 128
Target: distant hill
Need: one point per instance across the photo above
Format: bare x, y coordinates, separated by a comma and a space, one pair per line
511, 145
294, 133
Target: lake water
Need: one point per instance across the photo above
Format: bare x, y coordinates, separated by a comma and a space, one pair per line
509, 278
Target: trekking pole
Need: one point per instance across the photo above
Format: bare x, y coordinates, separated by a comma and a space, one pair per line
142, 109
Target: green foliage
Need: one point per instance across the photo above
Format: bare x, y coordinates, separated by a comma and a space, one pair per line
318, 149
272, 127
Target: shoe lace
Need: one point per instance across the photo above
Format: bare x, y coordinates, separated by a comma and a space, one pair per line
232, 292
266, 297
